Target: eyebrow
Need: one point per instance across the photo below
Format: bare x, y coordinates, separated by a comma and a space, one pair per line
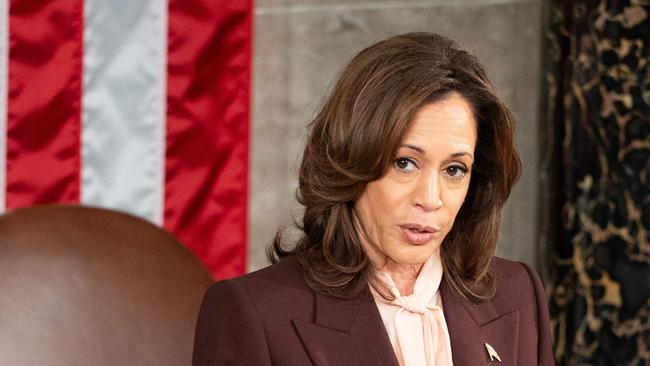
414, 147
423, 152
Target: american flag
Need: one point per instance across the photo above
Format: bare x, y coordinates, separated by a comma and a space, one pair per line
140, 106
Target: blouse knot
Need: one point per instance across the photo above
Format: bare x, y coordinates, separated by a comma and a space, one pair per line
412, 303
415, 323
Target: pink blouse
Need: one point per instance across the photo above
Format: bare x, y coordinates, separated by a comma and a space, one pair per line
416, 323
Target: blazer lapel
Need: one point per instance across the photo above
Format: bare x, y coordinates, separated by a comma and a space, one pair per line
346, 332
471, 326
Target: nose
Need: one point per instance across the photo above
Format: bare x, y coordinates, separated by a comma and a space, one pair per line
428, 193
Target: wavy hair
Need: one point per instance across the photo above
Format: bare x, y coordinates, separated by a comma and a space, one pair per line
354, 139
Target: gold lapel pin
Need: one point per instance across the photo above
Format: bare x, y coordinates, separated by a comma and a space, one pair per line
492, 353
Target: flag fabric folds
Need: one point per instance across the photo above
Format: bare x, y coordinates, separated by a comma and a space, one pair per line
140, 106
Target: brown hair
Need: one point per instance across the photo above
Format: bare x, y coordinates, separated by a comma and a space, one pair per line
354, 138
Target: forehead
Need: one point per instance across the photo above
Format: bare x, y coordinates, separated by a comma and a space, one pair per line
449, 119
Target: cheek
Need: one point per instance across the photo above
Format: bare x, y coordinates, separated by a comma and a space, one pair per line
381, 201
457, 198
387, 197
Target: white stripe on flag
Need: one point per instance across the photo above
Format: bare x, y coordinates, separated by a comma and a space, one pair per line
4, 71
123, 118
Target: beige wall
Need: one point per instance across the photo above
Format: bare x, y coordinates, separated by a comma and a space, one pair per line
301, 44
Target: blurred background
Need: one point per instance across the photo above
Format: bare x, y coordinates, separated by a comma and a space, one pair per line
192, 115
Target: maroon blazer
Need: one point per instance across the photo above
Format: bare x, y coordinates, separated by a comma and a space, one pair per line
271, 317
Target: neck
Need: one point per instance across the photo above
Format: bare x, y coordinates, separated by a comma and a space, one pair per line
403, 275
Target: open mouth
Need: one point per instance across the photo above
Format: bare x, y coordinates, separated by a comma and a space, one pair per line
418, 228
417, 234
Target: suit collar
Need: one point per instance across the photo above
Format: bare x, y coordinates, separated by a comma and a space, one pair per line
481, 313
471, 326
351, 332
337, 314
346, 332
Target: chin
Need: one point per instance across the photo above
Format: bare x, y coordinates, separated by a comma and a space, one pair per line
414, 254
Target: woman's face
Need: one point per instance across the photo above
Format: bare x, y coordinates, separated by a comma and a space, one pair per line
408, 212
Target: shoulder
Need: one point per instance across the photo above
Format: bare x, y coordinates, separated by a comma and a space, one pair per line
248, 320
519, 288
285, 276
516, 282
241, 318
511, 272
279, 286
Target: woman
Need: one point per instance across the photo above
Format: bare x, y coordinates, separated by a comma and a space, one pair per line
402, 180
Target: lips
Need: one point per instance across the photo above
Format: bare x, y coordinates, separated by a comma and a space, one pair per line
418, 234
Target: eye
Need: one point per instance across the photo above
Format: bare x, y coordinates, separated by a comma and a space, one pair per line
456, 171
405, 164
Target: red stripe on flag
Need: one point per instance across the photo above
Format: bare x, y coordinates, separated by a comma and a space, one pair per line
208, 105
44, 97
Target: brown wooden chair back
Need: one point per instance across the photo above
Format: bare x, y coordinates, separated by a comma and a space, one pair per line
88, 286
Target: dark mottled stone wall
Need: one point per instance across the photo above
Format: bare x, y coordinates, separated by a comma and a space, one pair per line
595, 167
